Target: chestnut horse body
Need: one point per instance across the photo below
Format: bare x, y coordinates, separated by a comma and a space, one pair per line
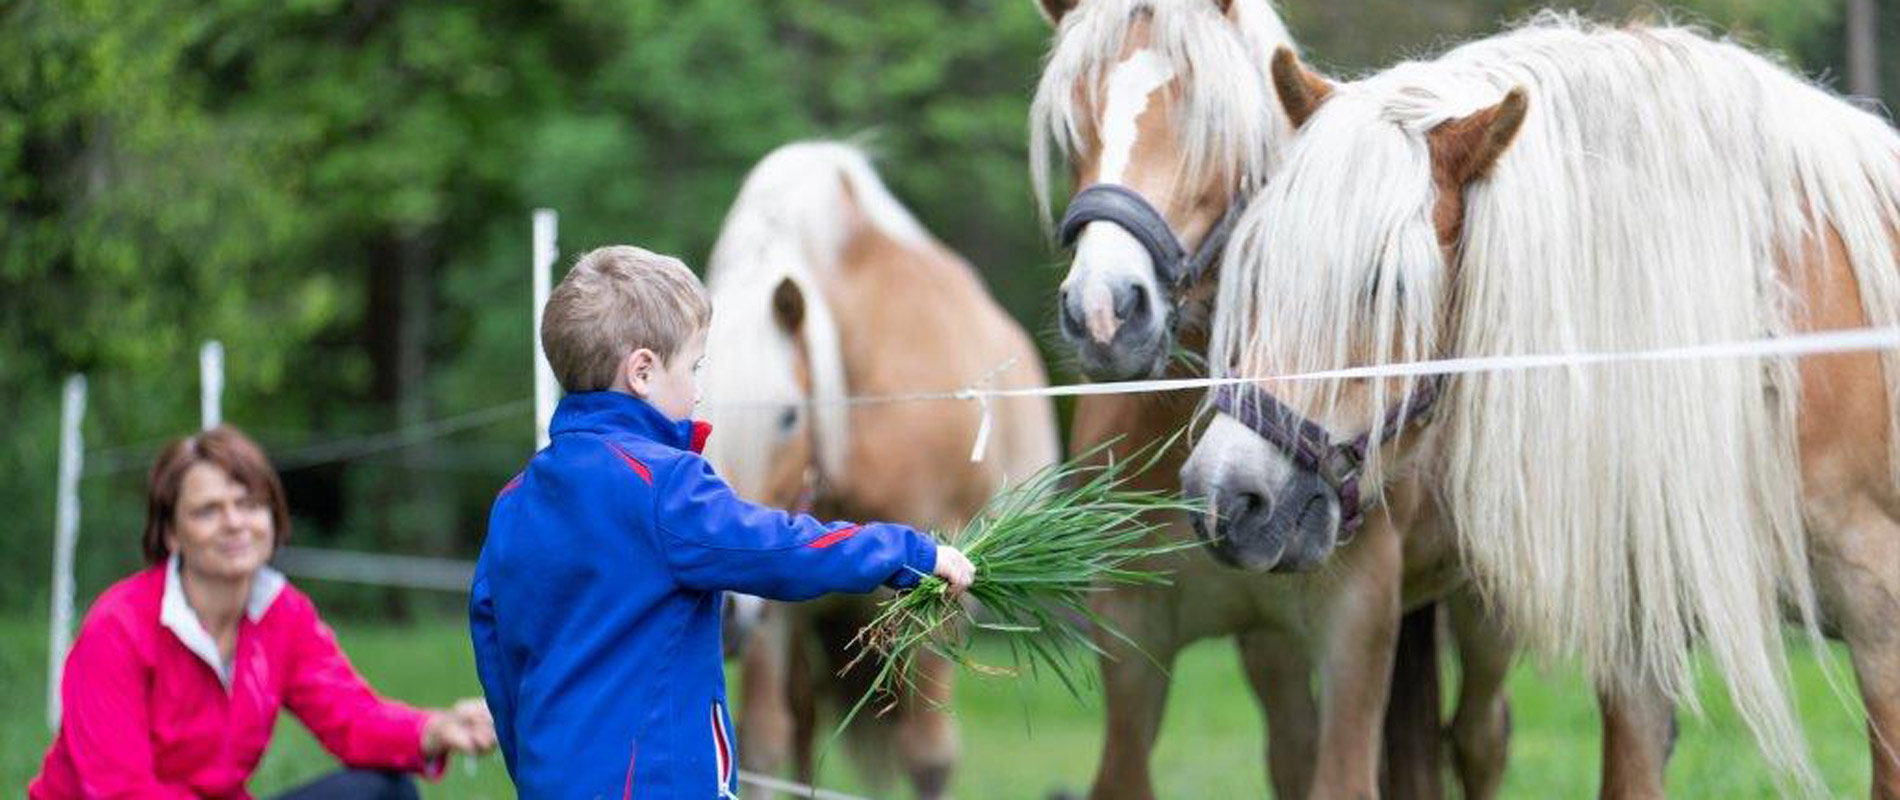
1164, 113
1569, 187
824, 287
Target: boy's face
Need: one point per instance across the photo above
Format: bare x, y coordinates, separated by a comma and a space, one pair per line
672, 386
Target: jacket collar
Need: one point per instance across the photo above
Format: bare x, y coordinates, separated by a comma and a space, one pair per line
176, 614
619, 413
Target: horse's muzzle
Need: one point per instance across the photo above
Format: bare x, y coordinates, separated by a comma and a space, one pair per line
1293, 529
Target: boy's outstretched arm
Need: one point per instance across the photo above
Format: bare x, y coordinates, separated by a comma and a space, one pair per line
713, 539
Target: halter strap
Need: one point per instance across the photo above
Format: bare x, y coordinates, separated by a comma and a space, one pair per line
1127, 209
1309, 445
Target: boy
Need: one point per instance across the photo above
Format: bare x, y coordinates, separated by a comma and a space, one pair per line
595, 606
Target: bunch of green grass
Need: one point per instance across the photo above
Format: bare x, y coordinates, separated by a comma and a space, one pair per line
1040, 548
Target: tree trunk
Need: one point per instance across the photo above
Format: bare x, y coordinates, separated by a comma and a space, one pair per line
411, 514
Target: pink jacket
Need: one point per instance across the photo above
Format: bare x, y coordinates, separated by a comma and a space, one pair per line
149, 713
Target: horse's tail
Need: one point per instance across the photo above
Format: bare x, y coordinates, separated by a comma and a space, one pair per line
1411, 767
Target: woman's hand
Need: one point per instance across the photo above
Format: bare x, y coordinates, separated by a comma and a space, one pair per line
955, 569
464, 728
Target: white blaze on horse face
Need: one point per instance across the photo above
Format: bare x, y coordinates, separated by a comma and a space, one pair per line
1129, 86
751, 389
1107, 256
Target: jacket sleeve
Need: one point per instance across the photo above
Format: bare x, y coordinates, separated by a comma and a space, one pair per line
104, 721
712, 539
356, 725
491, 666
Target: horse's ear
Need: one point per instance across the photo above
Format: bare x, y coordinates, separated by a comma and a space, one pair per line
1301, 90
788, 306
1466, 148
1053, 10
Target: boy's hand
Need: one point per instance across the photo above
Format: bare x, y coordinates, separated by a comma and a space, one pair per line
955, 569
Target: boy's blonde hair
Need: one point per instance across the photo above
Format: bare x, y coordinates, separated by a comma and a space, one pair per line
614, 301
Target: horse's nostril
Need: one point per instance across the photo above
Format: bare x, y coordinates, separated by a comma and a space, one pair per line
1070, 316
1251, 503
1131, 304
1310, 511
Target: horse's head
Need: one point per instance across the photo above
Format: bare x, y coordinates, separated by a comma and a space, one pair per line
764, 447
1163, 113
1344, 260
774, 377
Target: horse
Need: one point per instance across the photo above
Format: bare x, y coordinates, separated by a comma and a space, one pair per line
1164, 112
1566, 187
824, 287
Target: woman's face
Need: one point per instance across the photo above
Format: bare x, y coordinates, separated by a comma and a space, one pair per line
222, 529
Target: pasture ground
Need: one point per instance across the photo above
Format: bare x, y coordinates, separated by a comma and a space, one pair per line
1023, 739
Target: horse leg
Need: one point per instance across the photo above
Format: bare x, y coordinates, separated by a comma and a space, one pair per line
1279, 670
1639, 731
804, 707
1858, 574
1481, 728
765, 711
926, 733
1414, 729
1135, 687
1356, 670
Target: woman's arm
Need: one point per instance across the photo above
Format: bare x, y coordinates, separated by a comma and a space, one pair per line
106, 724
359, 727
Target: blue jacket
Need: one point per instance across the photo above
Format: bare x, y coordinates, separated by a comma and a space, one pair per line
595, 609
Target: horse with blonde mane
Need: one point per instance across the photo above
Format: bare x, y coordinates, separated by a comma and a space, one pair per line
1566, 187
1167, 119
826, 288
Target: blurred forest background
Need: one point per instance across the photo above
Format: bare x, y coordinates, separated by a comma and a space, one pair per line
339, 190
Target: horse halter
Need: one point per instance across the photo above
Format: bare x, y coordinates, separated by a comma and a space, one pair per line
1128, 210
1308, 444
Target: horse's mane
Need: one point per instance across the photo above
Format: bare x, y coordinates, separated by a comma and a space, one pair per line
1229, 120
1659, 190
792, 219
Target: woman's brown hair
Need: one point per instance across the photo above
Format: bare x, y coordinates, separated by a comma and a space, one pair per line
227, 448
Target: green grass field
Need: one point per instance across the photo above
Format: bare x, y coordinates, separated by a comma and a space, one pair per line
1023, 739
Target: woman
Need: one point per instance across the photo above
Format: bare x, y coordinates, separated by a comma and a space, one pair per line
177, 675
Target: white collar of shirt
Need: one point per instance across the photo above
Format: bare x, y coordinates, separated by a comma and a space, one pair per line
175, 613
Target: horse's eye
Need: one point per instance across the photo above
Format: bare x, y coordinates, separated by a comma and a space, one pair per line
787, 419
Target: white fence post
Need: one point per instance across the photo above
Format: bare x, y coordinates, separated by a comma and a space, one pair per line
546, 391
65, 535
211, 384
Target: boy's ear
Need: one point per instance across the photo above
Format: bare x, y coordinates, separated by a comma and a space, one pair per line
788, 306
637, 370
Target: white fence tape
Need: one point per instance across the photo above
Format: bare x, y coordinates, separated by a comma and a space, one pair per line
1805, 344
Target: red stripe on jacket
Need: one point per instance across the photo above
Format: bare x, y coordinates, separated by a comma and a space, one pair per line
722, 749
632, 753
835, 537
638, 468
